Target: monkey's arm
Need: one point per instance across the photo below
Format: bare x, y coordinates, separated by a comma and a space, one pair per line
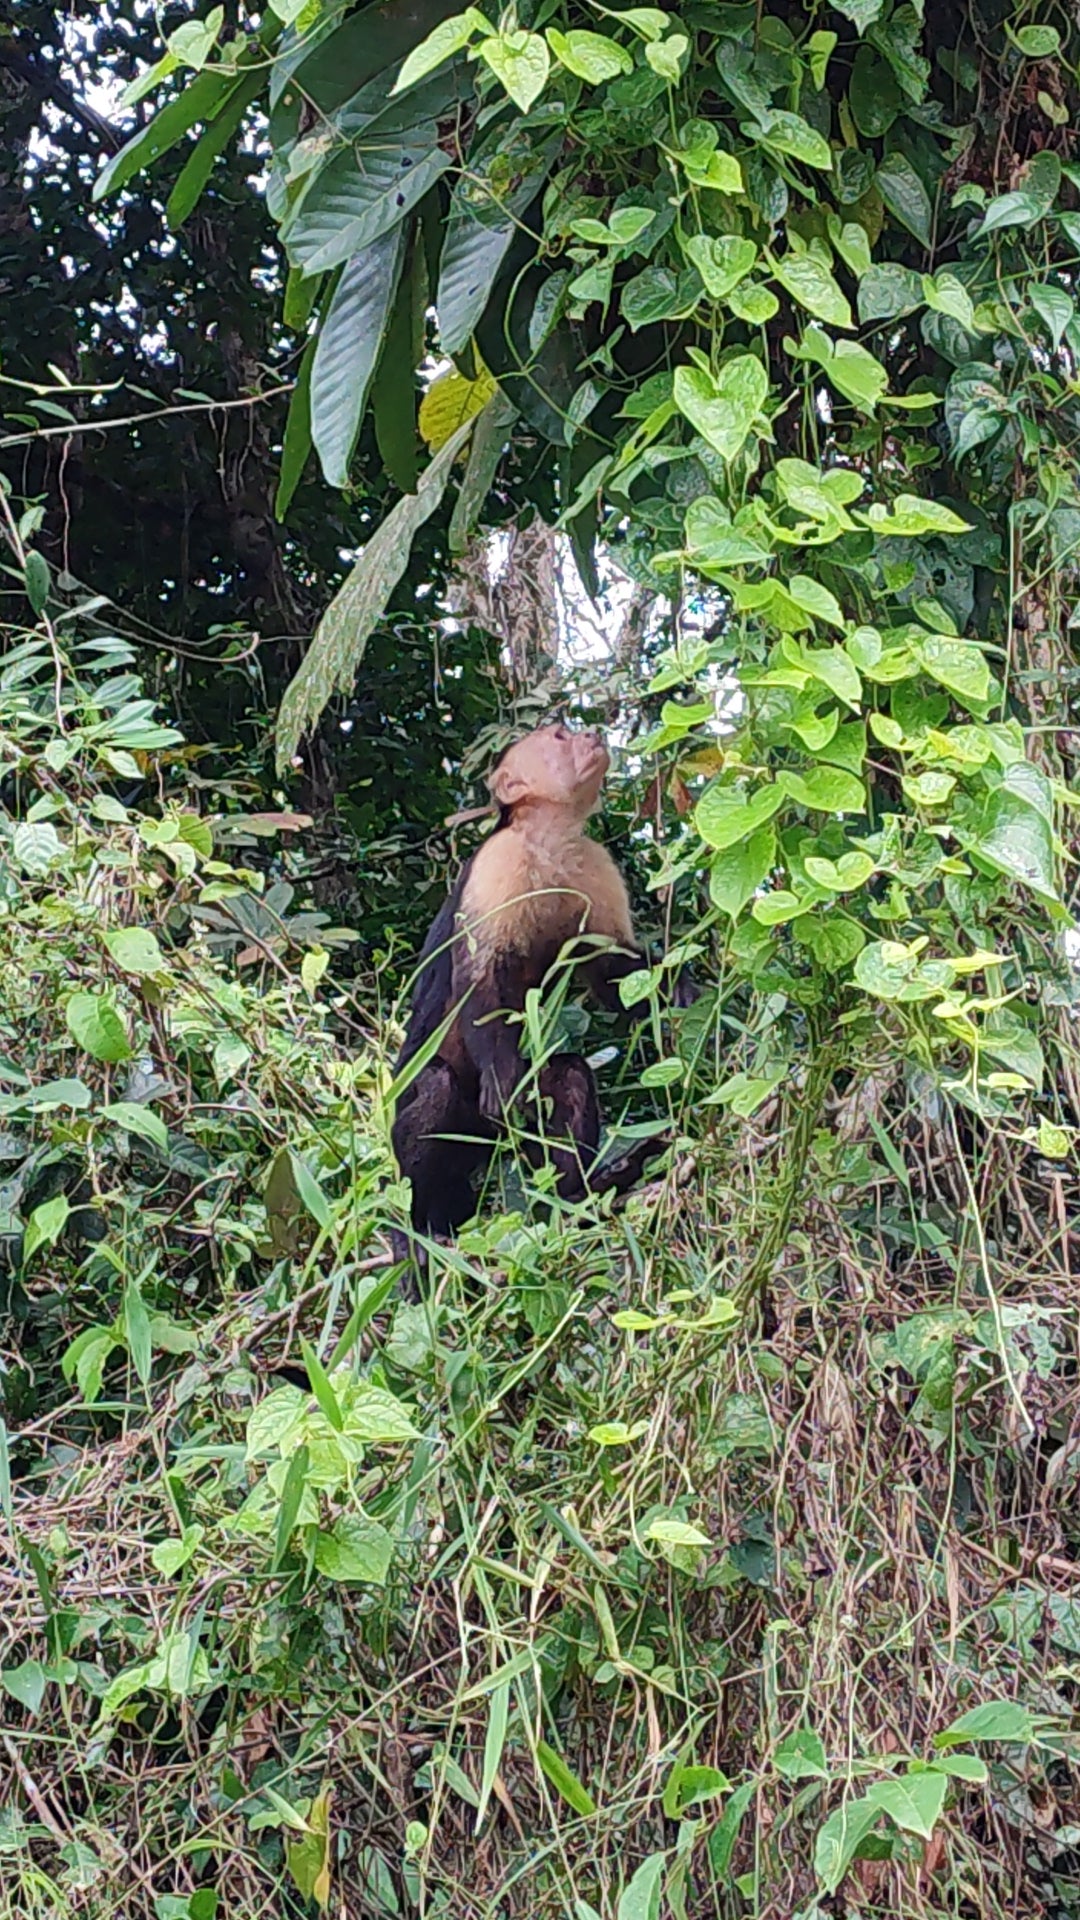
495, 982
432, 993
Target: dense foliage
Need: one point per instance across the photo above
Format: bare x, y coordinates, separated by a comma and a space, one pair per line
715, 1555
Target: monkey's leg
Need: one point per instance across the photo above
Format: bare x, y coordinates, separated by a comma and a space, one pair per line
439, 1167
570, 1112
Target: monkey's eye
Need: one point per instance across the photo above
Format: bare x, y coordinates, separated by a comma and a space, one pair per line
562, 733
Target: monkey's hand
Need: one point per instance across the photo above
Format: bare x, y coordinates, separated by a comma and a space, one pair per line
685, 990
498, 1086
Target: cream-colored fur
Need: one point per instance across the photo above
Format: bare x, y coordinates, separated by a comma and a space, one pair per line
541, 880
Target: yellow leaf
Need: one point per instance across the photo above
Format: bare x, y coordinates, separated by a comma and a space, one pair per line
449, 402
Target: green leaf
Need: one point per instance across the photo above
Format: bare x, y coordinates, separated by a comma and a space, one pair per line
1016, 209
38, 580
724, 815
657, 293
200, 100
755, 304
825, 789
723, 1836
665, 57
297, 442
36, 846
335, 653
1055, 309
861, 13
676, 1533
930, 789
213, 141
357, 1550
494, 1741
820, 47
887, 291
292, 1494
321, 1386
790, 134
348, 348
909, 517
488, 445
956, 664
170, 1556
913, 1802
96, 1026
137, 1331
357, 199
25, 1683
485, 211
839, 1839
835, 670
1004, 1720
721, 263
801, 1756
845, 875
138, 1120
852, 243
891, 971
309, 1191
521, 61
723, 409
1036, 42
640, 1900
905, 196
448, 38
50, 1093
591, 56
833, 942
45, 1225
566, 1784
1016, 840
135, 950
713, 541
814, 287
745, 865
851, 369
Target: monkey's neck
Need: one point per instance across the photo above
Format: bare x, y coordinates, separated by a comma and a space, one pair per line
546, 823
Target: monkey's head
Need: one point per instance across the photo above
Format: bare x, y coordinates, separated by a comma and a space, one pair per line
555, 767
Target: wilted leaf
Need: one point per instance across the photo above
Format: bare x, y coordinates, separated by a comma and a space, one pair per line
333, 658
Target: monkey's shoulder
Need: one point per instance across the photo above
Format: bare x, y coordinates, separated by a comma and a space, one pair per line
525, 886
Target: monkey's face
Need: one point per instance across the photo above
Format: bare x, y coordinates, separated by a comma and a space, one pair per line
557, 766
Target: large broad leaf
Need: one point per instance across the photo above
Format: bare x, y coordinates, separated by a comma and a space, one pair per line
722, 410
488, 445
736, 876
332, 57
849, 367
722, 262
335, 653
888, 291
348, 348
204, 97
360, 195
905, 196
725, 817
1016, 840
482, 224
839, 1838
814, 287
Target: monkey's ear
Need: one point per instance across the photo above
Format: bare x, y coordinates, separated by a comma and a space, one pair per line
505, 786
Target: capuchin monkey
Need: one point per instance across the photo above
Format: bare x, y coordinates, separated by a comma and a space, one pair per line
537, 883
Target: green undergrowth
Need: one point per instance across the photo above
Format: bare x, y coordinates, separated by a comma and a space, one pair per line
708, 1556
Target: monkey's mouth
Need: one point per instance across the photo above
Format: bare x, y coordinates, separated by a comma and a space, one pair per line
593, 759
